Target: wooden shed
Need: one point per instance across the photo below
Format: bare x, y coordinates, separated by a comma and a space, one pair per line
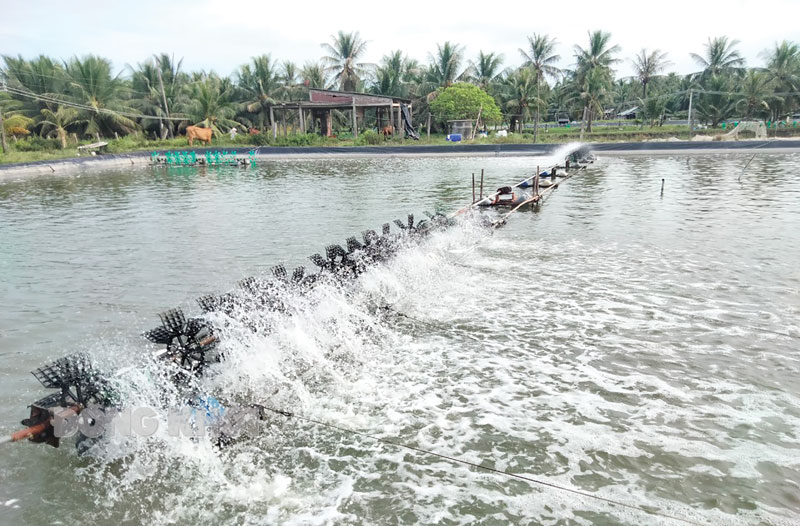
316, 113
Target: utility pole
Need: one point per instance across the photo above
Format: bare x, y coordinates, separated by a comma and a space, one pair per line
164, 98
690, 115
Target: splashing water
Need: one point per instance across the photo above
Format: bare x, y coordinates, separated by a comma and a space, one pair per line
608, 347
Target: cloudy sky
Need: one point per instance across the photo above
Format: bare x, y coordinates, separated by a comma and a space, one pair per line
221, 35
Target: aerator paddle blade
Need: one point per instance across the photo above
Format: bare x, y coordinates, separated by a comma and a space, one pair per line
370, 236
318, 260
353, 244
208, 303
249, 285
400, 224
173, 319
410, 221
172, 323
51, 400
297, 275
334, 251
430, 216
387, 228
78, 381
211, 303
279, 271
64, 371
160, 335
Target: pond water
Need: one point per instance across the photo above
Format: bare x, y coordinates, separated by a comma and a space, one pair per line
636, 346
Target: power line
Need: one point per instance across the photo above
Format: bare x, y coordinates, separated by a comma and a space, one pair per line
72, 80
77, 105
700, 91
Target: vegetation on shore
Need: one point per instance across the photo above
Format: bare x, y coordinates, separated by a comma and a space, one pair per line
50, 106
610, 132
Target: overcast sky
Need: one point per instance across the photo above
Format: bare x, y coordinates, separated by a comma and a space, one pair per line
222, 35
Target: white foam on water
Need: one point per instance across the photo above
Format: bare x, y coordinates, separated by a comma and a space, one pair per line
573, 383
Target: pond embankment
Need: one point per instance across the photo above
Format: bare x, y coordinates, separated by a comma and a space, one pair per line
67, 166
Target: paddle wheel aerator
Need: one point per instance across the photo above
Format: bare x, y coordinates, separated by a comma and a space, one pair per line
79, 386
189, 343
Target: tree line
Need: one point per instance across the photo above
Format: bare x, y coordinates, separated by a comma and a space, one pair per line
82, 95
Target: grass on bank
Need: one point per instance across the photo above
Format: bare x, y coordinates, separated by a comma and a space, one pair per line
38, 149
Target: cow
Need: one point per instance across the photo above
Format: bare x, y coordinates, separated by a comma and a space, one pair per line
254, 131
201, 134
387, 131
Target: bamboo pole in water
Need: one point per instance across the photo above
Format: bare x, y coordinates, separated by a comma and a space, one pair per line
473, 187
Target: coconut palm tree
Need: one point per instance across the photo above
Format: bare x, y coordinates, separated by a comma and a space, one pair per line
39, 76
90, 83
648, 65
390, 75
623, 92
291, 86
342, 59
12, 121
486, 70
652, 109
445, 66
783, 70
519, 94
314, 75
259, 83
56, 123
148, 98
716, 104
173, 81
541, 58
593, 72
212, 103
756, 92
145, 85
594, 93
720, 56
598, 55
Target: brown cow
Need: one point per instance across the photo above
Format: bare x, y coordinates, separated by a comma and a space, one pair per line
201, 134
387, 131
254, 131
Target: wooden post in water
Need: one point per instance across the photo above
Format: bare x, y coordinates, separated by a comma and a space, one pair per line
481, 191
536, 182
662, 187
473, 187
